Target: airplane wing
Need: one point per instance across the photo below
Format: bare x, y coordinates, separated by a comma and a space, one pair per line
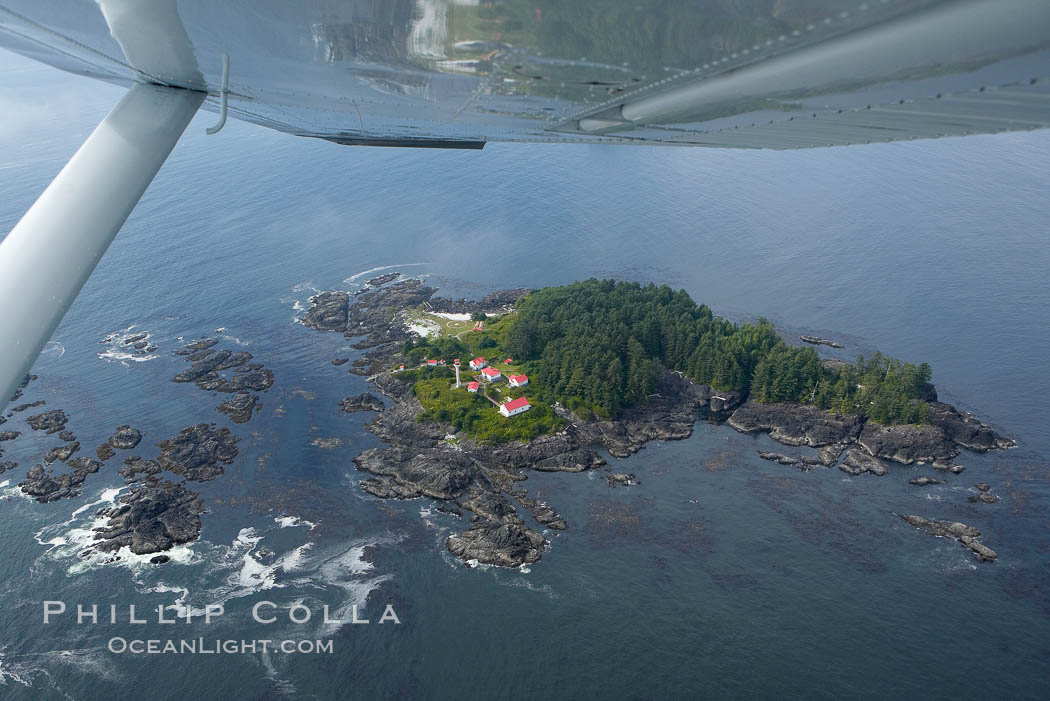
774, 74
728, 73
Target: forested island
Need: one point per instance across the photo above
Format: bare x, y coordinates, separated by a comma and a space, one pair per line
609, 364
599, 346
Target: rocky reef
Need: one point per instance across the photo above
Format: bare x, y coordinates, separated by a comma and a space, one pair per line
240, 407
50, 421
44, 485
866, 446
819, 341
157, 512
152, 517
125, 438
362, 402
218, 370
966, 535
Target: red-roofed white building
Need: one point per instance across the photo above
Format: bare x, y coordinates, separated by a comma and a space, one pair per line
472, 386
515, 407
518, 380
434, 363
491, 374
477, 363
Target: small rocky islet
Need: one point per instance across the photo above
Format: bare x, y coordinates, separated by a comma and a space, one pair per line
419, 460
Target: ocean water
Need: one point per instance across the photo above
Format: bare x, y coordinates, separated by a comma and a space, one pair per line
720, 575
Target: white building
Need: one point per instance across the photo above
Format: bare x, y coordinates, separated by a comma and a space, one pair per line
515, 407
518, 380
477, 363
491, 374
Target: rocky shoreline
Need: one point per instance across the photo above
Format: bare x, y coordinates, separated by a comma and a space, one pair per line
423, 459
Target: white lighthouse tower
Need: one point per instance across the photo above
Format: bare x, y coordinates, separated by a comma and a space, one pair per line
456, 364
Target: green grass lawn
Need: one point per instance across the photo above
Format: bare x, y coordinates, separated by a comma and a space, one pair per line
478, 417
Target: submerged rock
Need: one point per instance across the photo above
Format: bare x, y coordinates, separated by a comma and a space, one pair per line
105, 451
924, 481
625, 479
340, 361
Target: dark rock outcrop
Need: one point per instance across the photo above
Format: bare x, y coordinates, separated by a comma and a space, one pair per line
796, 424
198, 452
239, 407
966, 535
380, 280
340, 361
61, 453
625, 479
502, 544
907, 443
125, 438
499, 301
984, 494
362, 402
256, 380
818, 341
328, 311
965, 430
856, 462
924, 481
44, 485
105, 451
135, 466
30, 405
11, 435
152, 517
50, 421
203, 366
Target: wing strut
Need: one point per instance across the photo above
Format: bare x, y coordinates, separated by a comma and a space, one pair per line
51, 252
